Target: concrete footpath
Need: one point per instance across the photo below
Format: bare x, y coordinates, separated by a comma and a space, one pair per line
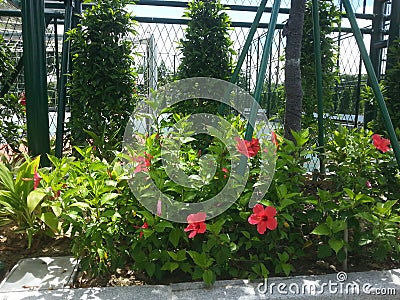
365, 285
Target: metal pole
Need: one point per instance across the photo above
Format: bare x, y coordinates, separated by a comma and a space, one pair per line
263, 68
63, 80
375, 54
246, 47
37, 116
374, 81
318, 70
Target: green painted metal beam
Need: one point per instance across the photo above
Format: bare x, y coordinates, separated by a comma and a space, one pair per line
263, 68
320, 94
245, 49
62, 91
374, 81
37, 117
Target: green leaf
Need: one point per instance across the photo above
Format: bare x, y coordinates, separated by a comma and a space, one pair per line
282, 191
335, 244
322, 229
246, 234
50, 220
150, 268
324, 251
208, 277
287, 268
170, 266
178, 256
108, 197
160, 227
174, 236
34, 198
286, 202
338, 225
201, 259
6, 178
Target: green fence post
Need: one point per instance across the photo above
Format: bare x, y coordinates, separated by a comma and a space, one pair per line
62, 92
263, 68
318, 71
374, 80
37, 115
246, 47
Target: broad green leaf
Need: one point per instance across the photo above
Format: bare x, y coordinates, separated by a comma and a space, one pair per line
6, 178
170, 266
322, 229
174, 236
178, 256
50, 220
208, 277
335, 244
286, 202
338, 225
160, 227
34, 198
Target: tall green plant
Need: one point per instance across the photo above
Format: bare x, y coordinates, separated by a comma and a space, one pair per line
102, 81
329, 18
206, 49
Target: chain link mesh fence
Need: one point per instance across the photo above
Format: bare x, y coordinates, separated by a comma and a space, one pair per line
157, 43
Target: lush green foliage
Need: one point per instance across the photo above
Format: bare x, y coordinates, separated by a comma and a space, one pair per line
91, 199
206, 49
102, 81
362, 199
22, 202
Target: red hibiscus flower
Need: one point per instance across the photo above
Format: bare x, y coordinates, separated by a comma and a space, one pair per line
36, 179
144, 226
196, 224
264, 218
143, 163
248, 148
381, 143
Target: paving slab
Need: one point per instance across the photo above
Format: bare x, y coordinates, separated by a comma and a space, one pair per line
147, 292
42, 273
362, 285
352, 286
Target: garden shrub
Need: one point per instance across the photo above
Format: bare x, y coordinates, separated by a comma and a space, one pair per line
206, 50
112, 229
365, 188
103, 79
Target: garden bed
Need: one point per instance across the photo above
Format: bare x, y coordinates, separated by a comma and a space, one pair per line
13, 248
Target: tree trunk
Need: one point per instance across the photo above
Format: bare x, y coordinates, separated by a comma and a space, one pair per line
294, 92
